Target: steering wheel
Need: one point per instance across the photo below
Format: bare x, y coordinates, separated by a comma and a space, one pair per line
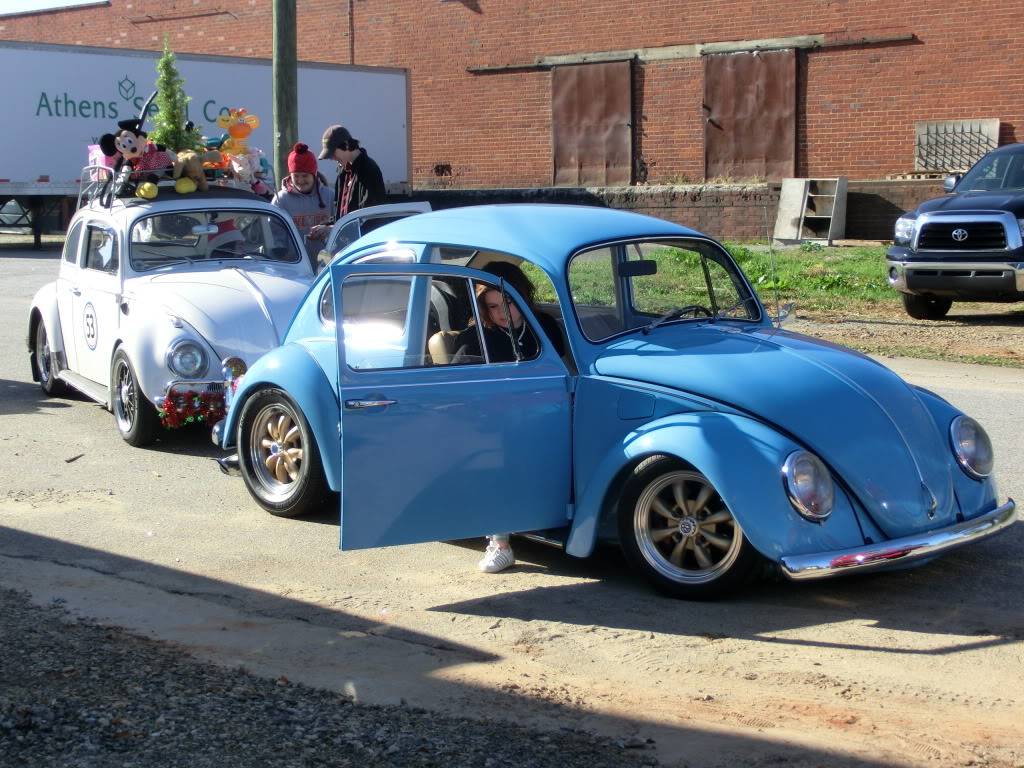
695, 309
228, 252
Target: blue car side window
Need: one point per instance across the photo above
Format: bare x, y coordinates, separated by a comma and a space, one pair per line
404, 321
595, 295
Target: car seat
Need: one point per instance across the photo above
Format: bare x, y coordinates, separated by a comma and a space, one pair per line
441, 347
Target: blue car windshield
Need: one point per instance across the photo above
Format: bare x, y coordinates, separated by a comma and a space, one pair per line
642, 284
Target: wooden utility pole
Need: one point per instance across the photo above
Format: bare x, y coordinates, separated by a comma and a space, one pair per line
286, 99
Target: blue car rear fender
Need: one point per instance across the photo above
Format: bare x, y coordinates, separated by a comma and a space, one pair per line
743, 459
292, 369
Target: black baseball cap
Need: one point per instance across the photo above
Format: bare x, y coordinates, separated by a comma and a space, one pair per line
335, 137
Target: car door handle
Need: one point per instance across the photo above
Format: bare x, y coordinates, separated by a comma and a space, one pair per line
354, 404
76, 291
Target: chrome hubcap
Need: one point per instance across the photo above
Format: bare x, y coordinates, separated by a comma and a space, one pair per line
276, 451
125, 405
684, 529
43, 354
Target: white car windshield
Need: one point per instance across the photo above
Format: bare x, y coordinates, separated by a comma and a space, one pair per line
185, 237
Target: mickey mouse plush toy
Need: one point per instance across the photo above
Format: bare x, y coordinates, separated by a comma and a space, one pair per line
145, 158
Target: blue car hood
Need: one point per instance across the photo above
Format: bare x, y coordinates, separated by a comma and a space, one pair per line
862, 419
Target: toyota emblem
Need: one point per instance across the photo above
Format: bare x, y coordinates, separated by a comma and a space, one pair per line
960, 234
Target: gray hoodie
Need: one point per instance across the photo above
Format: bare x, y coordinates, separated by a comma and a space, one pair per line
306, 210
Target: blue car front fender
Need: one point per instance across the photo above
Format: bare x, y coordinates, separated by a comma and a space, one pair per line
294, 370
743, 459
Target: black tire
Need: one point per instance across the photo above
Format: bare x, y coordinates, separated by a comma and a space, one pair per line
925, 308
135, 417
48, 380
696, 553
279, 460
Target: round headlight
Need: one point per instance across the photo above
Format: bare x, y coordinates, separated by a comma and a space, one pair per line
186, 358
809, 485
232, 368
972, 447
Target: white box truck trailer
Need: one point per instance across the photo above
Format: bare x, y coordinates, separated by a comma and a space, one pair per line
59, 99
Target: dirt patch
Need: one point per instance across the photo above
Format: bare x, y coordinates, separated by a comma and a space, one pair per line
972, 333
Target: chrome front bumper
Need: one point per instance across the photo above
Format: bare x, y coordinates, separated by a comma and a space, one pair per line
899, 551
897, 270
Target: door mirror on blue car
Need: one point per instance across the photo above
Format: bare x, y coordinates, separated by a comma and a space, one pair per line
950, 182
639, 268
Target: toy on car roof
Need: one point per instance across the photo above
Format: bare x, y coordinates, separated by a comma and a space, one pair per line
240, 165
146, 161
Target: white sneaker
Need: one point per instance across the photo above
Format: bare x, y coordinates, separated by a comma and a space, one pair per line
496, 559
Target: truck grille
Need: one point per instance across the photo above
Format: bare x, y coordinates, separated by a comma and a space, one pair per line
981, 236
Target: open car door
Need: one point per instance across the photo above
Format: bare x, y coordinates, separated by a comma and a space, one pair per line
436, 448
352, 226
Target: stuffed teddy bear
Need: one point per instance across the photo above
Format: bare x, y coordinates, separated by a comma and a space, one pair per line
188, 170
248, 169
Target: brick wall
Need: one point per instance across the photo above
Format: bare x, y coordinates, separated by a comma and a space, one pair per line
857, 105
722, 211
730, 212
872, 207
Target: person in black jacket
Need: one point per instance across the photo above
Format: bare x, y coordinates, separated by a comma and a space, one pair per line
360, 183
508, 338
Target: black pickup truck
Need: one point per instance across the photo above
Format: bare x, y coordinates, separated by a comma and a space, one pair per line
967, 245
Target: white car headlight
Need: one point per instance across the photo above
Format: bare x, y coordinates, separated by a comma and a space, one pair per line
809, 485
186, 358
972, 447
904, 233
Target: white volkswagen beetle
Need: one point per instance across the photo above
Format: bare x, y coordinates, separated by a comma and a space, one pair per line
153, 296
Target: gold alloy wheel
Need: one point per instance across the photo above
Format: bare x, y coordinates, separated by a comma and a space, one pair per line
276, 452
684, 530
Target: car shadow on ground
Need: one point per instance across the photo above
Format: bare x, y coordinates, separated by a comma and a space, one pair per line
426, 654
24, 397
189, 440
962, 596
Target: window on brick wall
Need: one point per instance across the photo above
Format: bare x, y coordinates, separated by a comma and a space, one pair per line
591, 125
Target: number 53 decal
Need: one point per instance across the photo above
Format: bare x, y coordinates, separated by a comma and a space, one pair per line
89, 327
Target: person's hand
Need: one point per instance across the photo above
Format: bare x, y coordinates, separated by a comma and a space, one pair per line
318, 231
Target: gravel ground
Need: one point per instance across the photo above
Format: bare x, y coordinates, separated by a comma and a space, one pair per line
983, 333
76, 694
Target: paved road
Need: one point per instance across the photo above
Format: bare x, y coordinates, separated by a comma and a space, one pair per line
903, 668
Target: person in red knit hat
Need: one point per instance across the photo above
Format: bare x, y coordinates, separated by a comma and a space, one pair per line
305, 198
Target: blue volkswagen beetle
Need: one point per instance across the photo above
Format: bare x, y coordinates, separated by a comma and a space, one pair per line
644, 395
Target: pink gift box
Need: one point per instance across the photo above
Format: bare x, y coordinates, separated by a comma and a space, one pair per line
96, 157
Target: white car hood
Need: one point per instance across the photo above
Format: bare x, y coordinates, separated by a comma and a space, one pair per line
239, 312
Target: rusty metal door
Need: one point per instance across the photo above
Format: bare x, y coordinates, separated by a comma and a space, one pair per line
750, 115
591, 125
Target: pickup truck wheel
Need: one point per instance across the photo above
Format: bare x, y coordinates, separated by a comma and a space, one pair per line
924, 308
136, 418
678, 532
48, 380
278, 456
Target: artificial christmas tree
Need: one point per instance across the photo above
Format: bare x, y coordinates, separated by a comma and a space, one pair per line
172, 127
